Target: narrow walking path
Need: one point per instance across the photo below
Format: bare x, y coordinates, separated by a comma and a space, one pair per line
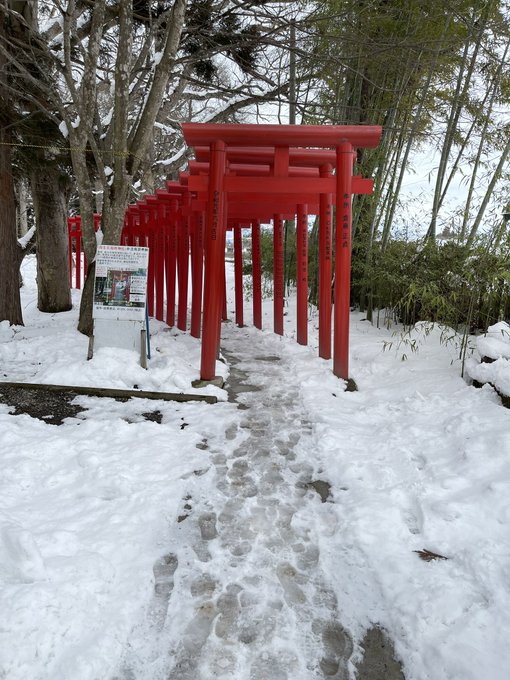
258, 606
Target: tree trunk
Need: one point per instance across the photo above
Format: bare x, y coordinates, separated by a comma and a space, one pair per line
50, 206
86, 322
87, 203
10, 252
22, 206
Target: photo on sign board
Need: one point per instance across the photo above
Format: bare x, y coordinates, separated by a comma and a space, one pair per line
121, 288
120, 282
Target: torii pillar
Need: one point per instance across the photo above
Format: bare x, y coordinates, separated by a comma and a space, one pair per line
214, 261
344, 155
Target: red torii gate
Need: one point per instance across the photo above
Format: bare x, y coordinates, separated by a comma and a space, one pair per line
278, 143
274, 206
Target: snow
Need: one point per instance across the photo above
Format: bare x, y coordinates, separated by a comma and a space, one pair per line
177, 156
496, 342
416, 459
494, 346
99, 236
25, 240
167, 129
107, 119
63, 129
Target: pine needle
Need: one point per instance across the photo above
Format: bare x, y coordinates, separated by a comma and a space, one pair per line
428, 555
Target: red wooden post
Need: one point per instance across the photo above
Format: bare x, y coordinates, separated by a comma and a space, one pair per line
70, 226
214, 261
325, 269
342, 259
278, 282
78, 252
197, 269
170, 261
256, 264
159, 246
182, 273
238, 273
302, 274
224, 311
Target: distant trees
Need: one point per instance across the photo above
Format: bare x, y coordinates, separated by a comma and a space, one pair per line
433, 75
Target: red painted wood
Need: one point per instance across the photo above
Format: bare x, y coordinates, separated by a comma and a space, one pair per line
214, 262
302, 274
325, 269
159, 245
197, 274
278, 273
256, 263
276, 185
182, 273
342, 260
248, 208
72, 235
78, 255
321, 136
252, 170
282, 186
265, 155
238, 275
170, 261
281, 161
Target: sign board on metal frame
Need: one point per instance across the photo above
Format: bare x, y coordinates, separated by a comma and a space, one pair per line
120, 292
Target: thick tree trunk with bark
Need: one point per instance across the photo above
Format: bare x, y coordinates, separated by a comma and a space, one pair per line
21, 193
50, 206
86, 188
10, 252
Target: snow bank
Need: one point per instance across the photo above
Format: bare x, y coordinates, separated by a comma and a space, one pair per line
494, 348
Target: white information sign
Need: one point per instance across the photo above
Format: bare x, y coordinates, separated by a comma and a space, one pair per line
120, 283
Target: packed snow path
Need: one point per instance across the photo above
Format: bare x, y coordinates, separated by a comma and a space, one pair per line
250, 601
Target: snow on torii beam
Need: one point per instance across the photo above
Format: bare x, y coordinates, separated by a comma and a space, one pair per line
341, 138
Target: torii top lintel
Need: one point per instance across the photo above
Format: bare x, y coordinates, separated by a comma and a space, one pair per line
317, 136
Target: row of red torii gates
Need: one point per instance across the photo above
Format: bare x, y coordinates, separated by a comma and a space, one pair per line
244, 176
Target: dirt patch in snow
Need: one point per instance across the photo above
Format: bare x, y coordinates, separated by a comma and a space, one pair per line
50, 406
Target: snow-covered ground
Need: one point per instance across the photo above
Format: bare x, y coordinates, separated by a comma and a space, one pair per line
197, 547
